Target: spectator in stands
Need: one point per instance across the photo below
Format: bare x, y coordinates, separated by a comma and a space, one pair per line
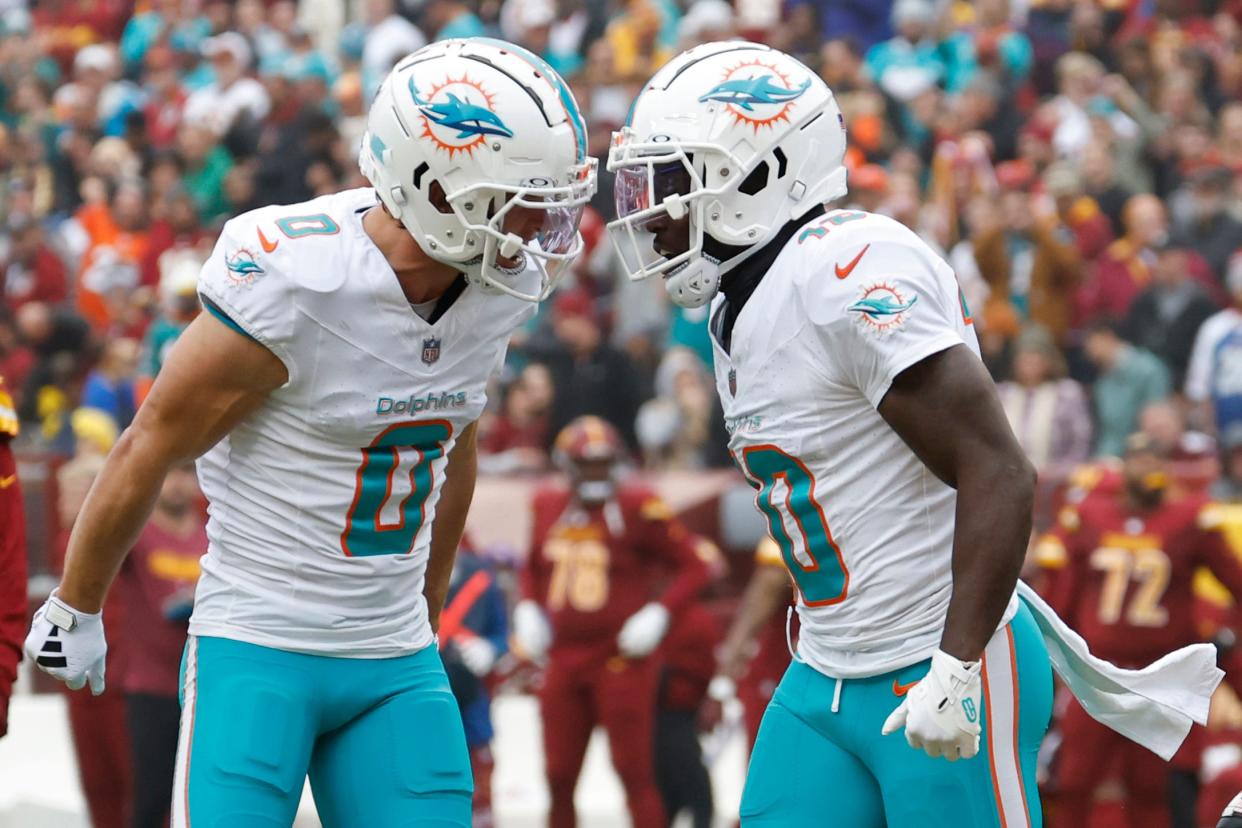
389, 37
517, 438
1209, 228
637, 39
179, 304
1047, 410
915, 59
1216, 360
589, 376
59, 339
166, 97
233, 99
451, 18
12, 558
1228, 487
175, 227
1000, 47
865, 23
1101, 183
674, 427
1028, 259
1128, 379
32, 272
156, 586
145, 29
1124, 269
116, 225
110, 386
207, 164
1078, 211
1166, 316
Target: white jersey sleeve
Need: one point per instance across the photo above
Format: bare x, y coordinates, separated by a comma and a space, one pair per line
901, 304
242, 286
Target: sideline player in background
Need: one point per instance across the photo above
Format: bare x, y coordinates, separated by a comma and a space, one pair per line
474, 634
156, 587
12, 558
599, 549
858, 407
1123, 566
755, 651
332, 392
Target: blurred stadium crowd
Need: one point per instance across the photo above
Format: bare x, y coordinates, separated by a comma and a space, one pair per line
1078, 162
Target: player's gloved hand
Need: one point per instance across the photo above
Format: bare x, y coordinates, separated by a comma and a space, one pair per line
941, 712
68, 645
530, 630
643, 631
478, 654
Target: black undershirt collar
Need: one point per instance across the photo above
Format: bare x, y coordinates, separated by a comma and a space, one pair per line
740, 283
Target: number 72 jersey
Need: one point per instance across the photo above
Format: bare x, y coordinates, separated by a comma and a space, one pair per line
866, 530
1125, 579
322, 501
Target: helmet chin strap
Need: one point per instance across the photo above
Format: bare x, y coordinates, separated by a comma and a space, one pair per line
695, 284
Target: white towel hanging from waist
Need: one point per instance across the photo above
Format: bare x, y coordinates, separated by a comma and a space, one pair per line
1154, 706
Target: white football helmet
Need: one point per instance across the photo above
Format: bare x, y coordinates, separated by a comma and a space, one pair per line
739, 138
499, 131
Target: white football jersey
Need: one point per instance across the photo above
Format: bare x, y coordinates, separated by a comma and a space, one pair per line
865, 528
322, 501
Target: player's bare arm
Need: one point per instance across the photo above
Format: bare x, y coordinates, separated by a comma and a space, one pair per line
766, 592
945, 408
213, 379
450, 522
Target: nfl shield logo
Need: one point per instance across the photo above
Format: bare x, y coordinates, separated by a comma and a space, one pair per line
431, 349
732, 382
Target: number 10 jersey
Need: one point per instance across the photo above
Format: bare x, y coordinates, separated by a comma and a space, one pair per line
865, 528
322, 501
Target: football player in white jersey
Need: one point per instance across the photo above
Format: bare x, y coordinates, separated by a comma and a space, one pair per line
859, 409
330, 396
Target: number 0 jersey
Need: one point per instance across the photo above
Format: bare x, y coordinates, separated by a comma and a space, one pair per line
851, 301
322, 501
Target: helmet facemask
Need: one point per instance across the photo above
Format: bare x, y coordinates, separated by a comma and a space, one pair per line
662, 202
534, 224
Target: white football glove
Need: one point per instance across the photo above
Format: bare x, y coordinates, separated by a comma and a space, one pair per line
941, 712
478, 654
68, 645
643, 631
531, 630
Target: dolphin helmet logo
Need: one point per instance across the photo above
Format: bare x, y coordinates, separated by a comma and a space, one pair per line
453, 121
746, 92
756, 94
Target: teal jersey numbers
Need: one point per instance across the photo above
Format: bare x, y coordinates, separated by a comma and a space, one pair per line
825, 580
366, 533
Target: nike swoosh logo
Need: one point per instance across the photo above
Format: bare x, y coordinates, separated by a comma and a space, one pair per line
902, 689
5, 482
269, 246
844, 272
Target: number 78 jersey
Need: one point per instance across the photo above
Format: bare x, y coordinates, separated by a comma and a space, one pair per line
322, 501
865, 528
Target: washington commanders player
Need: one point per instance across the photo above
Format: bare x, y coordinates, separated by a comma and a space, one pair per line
592, 605
1123, 564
